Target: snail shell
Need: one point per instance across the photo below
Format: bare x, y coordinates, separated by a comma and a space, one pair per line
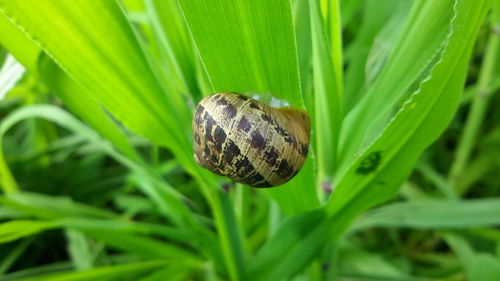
249, 141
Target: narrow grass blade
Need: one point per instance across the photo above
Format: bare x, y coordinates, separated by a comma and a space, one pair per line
478, 266
328, 102
13, 230
113, 272
174, 44
79, 250
51, 207
376, 14
432, 214
479, 105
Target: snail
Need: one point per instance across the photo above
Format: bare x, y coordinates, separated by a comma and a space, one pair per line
249, 141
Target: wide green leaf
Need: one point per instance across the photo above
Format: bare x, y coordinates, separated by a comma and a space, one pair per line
100, 53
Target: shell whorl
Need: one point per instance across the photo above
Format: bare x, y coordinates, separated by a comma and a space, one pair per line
249, 141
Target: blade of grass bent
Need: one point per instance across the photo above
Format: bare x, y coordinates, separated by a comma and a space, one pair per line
98, 46
168, 199
113, 272
382, 167
423, 38
73, 95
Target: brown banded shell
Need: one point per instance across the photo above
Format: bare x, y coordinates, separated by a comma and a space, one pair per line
249, 141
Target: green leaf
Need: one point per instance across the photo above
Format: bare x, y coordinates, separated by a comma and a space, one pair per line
478, 266
298, 237
433, 214
79, 250
377, 173
13, 230
167, 198
423, 37
115, 272
328, 101
128, 241
51, 207
102, 47
246, 46
173, 44
31, 55
376, 14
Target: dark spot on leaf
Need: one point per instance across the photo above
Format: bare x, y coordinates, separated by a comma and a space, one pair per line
370, 163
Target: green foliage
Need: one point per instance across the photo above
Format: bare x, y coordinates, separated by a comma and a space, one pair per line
96, 169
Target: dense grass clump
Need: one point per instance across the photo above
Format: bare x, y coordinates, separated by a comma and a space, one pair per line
98, 179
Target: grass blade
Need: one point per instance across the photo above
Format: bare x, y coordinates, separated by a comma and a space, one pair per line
433, 214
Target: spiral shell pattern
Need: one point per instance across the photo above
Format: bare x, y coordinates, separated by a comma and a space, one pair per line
249, 141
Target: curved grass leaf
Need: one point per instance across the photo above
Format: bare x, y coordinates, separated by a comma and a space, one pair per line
51, 207
378, 172
100, 53
479, 266
423, 37
114, 272
434, 214
13, 230
73, 95
167, 198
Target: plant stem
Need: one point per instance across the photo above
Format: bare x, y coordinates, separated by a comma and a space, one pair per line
477, 112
